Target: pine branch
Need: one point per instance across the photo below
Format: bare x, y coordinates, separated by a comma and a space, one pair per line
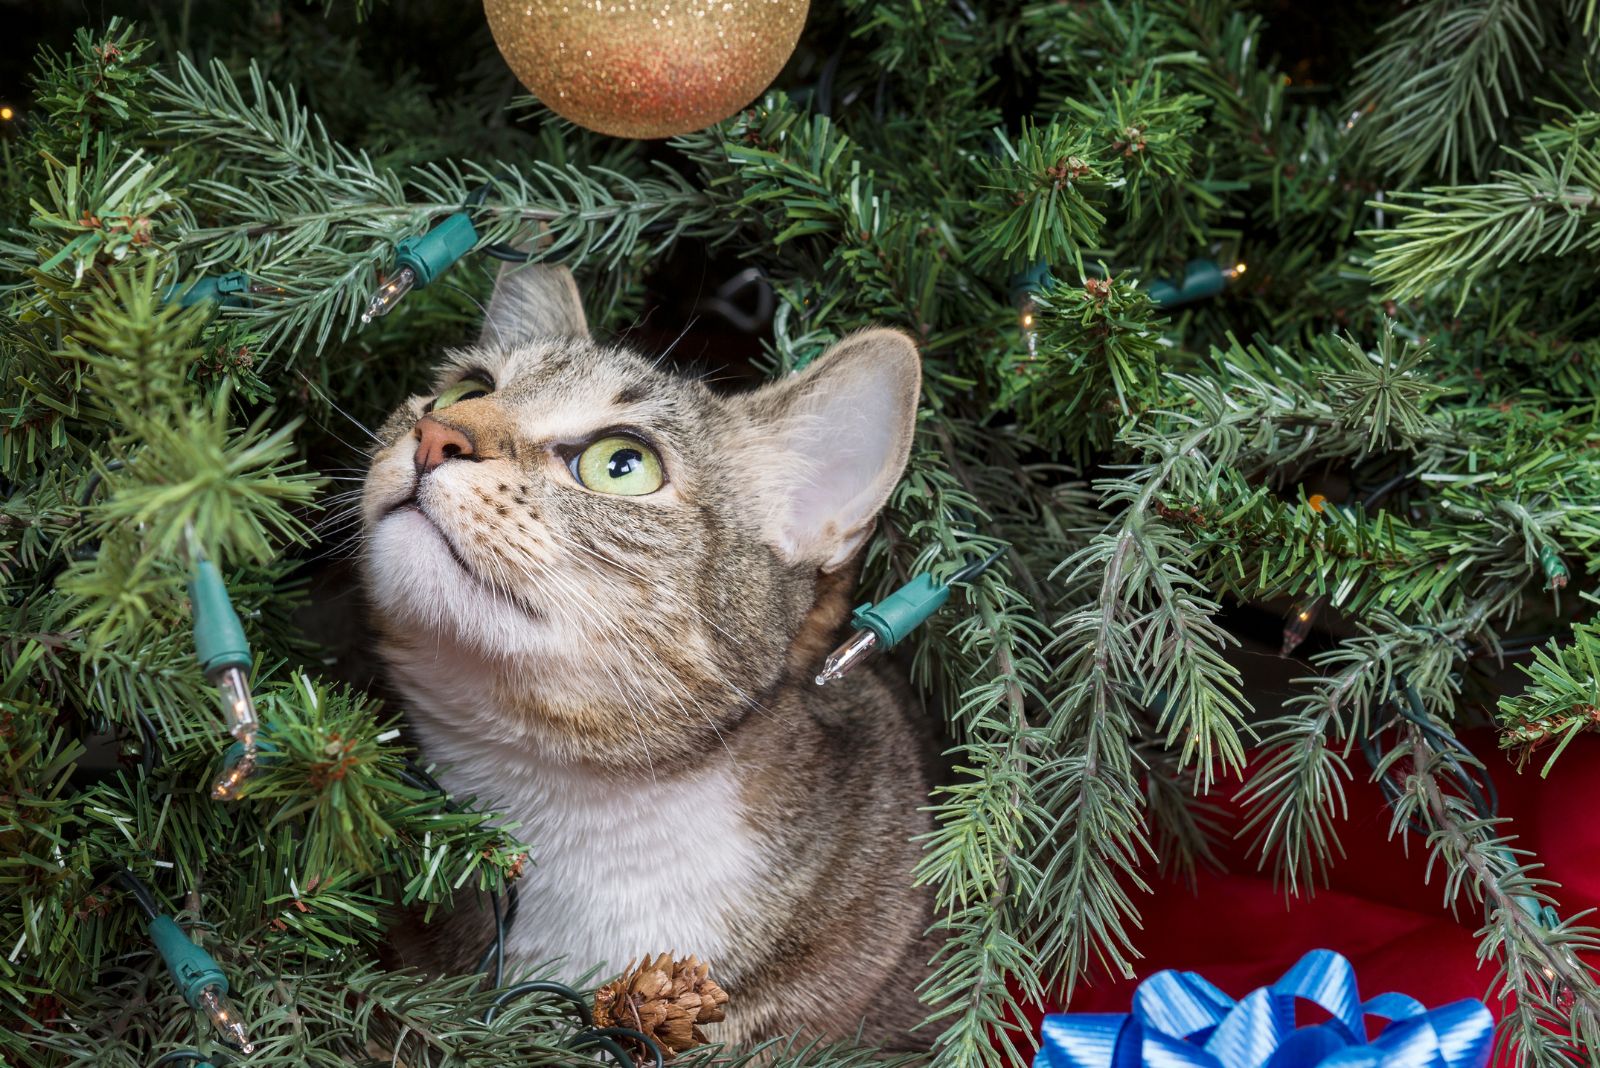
1099, 347
1143, 640
319, 220
1554, 1018
1296, 793
1562, 699
1439, 92
1451, 236
976, 860
1038, 203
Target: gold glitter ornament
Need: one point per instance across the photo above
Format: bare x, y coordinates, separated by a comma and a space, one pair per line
646, 68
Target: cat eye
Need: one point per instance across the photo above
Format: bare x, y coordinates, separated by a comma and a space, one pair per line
464, 390
619, 464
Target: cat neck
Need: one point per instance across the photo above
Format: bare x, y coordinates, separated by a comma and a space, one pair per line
680, 857
605, 845
552, 713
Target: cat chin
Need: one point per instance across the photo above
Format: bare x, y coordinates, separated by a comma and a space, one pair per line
415, 576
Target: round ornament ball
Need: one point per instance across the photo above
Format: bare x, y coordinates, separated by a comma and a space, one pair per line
646, 68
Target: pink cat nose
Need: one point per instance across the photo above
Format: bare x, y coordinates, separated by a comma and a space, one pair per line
438, 442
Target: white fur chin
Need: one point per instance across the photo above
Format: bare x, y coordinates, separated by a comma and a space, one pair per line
413, 577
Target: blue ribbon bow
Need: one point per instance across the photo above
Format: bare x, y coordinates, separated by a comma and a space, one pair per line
1181, 1021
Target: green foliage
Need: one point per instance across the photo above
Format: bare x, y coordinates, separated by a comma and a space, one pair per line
1441, 87
1097, 355
1542, 208
1387, 394
1038, 203
1389, 418
318, 220
1562, 699
98, 86
1539, 964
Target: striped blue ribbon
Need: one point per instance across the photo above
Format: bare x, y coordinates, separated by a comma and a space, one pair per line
1181, 1021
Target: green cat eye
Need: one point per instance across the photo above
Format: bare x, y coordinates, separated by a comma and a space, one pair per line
619, 464
464, 390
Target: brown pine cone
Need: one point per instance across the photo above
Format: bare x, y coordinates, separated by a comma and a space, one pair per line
665, 999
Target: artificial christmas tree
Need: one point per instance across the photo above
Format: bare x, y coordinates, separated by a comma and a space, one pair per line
1238, 333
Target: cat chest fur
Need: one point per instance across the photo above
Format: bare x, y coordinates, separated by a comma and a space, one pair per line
620, 870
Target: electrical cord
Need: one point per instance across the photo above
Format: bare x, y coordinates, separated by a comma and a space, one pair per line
499, 250
589, 1036
147, 754
142, 895
1520, 646
606, 1038
542, 986
1485, 799
96, 477
192, 1055
977, 567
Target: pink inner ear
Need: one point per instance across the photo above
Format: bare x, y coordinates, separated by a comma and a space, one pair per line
847, 440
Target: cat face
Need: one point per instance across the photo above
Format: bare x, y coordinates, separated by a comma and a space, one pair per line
570, 548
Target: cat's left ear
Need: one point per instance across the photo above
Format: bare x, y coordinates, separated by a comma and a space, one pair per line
834, 441
532, 300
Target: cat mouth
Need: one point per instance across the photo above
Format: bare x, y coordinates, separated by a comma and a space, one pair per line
411, 504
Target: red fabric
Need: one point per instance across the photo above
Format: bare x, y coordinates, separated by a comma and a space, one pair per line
1238, 931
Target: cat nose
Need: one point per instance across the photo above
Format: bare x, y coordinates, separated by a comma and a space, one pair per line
438, 442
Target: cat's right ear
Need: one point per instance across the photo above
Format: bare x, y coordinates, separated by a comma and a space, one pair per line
532, 300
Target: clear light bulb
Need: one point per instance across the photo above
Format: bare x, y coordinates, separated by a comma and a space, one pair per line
1027, 317
389, 294
860, 646
226, 788
239, 707
215, 1004
237, 704
1235, 271
1297, 627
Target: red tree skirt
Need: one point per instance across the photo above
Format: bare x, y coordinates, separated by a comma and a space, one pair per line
1239, 932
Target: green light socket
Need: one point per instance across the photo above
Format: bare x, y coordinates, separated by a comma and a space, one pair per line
1201, 279
898, 614
429, 255
219, 639
227, 290
1033, 280
192, 967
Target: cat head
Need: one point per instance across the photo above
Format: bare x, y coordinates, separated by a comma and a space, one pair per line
572, 548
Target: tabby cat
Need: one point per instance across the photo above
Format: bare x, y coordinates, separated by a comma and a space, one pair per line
602, 591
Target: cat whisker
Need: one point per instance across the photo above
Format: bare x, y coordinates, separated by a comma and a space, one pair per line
690, 325
546, 572
330, 402
747, 699
619, 565
488, 320
339, 515
342, 499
